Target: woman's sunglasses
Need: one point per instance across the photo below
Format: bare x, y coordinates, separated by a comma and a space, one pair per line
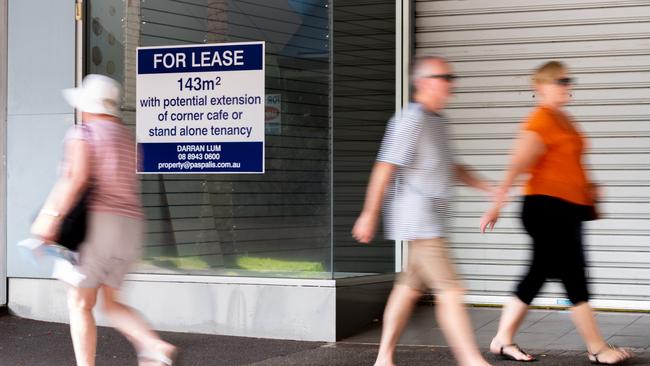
446, 77
564, 81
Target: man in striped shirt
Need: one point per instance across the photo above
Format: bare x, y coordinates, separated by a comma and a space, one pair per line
413, 177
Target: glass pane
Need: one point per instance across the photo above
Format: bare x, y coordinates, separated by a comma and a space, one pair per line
276, 224
364, 100
105, 39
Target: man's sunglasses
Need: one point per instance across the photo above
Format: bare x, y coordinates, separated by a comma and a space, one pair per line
564, 81
446, 77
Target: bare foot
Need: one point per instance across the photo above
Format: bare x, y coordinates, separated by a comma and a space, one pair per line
510, 351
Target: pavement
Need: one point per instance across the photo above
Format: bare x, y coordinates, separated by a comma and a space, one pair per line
547, 334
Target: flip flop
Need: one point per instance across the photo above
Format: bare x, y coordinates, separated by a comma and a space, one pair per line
608, 346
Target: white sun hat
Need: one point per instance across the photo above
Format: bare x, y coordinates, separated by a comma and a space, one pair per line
97, 94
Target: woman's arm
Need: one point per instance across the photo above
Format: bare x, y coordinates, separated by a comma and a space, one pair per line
366, 225
528, 149
65, 193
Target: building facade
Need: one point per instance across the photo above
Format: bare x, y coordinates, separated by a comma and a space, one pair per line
271, 255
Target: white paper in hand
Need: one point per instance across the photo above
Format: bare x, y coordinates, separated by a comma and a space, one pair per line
63, 260
65, 271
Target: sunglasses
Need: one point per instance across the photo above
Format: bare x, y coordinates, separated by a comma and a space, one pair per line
564, 81
446, 77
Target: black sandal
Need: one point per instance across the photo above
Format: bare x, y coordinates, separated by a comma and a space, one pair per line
507, 356
608, 346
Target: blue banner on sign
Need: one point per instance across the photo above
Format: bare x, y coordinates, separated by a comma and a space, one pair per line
235, 57
201, 157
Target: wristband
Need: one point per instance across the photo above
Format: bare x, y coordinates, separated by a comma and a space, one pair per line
50, 213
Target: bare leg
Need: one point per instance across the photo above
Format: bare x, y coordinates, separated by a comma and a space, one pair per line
82, 324
512, 316
456, 325
398, 310
133, 326
585, 321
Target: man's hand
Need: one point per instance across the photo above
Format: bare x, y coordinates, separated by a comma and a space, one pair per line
365, 227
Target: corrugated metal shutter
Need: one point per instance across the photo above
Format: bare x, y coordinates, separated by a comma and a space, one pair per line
494, 45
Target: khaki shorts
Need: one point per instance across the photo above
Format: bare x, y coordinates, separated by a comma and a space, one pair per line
113, 244
429, 267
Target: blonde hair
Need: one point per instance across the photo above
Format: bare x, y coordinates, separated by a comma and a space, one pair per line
548, 72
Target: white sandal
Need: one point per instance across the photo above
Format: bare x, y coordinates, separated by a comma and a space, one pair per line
159, 357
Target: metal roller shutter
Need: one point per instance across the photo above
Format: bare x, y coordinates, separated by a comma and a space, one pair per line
494, 45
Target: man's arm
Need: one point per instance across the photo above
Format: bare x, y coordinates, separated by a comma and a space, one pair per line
366, 225
472, 180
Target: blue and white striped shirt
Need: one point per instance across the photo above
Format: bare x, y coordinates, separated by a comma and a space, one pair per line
417, 202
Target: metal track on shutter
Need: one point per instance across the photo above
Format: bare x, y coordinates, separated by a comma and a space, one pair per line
494, 46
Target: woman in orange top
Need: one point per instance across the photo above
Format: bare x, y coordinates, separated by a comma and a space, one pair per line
558, 197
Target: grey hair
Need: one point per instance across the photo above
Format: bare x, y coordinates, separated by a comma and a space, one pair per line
418, 67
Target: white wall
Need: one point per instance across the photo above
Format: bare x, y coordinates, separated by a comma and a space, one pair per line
41, 62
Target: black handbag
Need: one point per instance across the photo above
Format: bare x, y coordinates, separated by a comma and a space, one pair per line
590, 213
73, 228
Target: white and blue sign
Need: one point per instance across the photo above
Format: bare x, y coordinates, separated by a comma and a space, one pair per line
201, 108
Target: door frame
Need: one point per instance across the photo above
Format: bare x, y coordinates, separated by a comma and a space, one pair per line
4, 27
403, 56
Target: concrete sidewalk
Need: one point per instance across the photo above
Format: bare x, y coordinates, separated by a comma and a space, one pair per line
542, 330
548, 334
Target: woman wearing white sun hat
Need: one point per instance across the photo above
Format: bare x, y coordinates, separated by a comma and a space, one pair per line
100, 155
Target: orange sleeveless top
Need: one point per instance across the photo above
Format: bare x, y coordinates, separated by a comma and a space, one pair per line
558, 172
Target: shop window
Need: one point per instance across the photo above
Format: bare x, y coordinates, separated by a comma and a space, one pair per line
277, 224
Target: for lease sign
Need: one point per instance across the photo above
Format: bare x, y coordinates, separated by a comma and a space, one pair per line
201, 108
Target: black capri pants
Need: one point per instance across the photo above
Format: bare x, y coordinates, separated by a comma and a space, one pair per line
555, 225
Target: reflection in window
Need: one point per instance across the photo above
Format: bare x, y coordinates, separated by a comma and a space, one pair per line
364, 100
104, 39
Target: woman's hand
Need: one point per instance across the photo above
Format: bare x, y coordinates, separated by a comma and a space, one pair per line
499, 197
46, 227
489, 218
365, 227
